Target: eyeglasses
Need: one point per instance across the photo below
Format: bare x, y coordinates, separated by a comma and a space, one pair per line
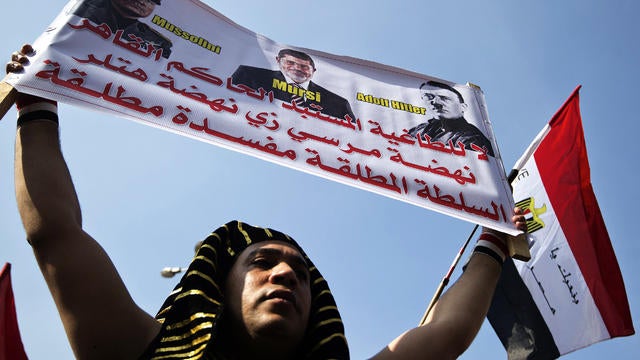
291, 63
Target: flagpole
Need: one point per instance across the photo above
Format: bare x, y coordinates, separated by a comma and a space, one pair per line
447, 277
517, 245
7, 97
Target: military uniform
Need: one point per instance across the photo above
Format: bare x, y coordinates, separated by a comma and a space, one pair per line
102, 12
454, 130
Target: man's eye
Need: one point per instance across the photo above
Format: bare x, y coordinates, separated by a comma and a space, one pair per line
262, 263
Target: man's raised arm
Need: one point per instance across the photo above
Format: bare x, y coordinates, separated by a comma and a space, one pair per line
99, 315
457, 317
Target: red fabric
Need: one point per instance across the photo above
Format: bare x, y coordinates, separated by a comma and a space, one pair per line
579, 215
23, 100
10, 344
495, 241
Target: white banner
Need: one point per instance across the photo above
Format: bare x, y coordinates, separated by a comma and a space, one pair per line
183, 67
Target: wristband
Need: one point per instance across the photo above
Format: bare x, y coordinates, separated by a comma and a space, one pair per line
35, 108
491, 245
487, 251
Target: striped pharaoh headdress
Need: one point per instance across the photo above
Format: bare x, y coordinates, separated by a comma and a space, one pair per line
190, 314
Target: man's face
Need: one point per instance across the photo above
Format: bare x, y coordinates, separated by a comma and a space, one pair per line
297, 69
444, 103
134, 8
268, 292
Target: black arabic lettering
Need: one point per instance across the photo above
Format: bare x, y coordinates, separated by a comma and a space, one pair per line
552, 309
565, 276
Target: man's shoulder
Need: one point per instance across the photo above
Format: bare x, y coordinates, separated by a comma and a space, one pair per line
254, 76
149, 32
93, 4
470, 127
327, 94
256, 70
94, 10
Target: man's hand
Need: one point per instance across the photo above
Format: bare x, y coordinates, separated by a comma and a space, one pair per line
19, 59
519, 219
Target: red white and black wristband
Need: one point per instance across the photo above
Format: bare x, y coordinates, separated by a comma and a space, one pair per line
491, 245
35, 108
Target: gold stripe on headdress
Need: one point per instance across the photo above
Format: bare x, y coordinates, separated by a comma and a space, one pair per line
197, 292
190, 332
327, 339
200, 315
203, 276
191, 355
328, 321
247, 238
207, 260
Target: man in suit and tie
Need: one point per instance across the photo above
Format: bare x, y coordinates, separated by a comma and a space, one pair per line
292, 83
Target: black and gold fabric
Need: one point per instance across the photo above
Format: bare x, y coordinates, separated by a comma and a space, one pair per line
191, 313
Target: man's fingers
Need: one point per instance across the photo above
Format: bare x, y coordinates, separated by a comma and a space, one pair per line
26, 49
13, 67
19, 57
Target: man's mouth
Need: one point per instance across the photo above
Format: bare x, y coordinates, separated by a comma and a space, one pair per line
284, 295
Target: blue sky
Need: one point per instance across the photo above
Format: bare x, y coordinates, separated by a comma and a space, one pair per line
148, 196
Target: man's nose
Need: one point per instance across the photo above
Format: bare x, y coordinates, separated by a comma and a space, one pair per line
283, 274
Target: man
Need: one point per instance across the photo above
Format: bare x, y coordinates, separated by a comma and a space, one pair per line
449, 124
124, 15
250, 293
292, 83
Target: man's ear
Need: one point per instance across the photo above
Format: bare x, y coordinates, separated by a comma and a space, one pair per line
464, 106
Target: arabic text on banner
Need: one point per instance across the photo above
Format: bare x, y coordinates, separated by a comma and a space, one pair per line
188, 69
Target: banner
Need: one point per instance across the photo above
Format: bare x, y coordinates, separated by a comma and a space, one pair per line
10, 343
183, 67
571, 293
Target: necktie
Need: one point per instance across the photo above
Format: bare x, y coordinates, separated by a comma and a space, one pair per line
296, 98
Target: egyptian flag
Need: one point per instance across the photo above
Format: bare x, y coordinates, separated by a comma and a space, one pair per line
10, 343
571, 293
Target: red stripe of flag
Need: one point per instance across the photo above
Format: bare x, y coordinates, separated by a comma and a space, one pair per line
10, 344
